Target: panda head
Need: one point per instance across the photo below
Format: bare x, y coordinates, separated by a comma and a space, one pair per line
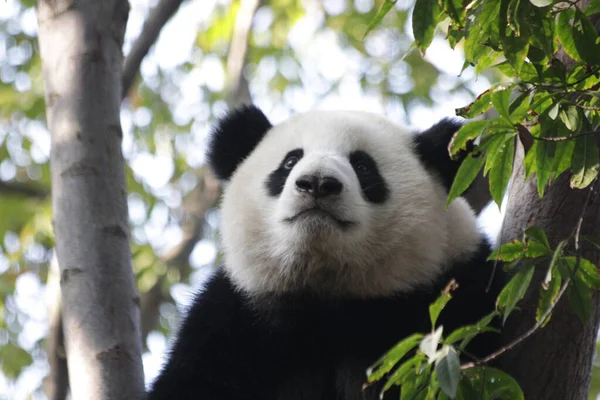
338, 203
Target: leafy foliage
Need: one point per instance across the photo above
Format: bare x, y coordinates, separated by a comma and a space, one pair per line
550, 103
429, 367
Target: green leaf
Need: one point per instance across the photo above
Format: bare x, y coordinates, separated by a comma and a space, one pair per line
496, 385
580, 298
455, 10
536, 243
562, 157
586, 269
501, 101
558, 252
541, 102
541, 3
467, 172
438, 305
585, 162
541, 33
548, 294
592, 8
519, 107
544, 155
467, 133
493, 145
448, 372
535, 249
385, 8
425, 18
415, 384
501, 170
466, 333
14, 359
565, 34
591, 239
570, 117
579, 39
482, 103
485, 60
508, 252
530, 160
515, 51
537, 234
515, 290
482, 29
400, 374
586, 38
517, 16
391, 358
553, 112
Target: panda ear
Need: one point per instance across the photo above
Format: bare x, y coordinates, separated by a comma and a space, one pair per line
432, 148
234, 137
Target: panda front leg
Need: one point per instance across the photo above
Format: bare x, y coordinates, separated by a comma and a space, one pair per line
227, 348
214, 350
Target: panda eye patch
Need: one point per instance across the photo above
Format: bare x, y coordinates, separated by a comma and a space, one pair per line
362, 168
290, 162
373, 185
276, 179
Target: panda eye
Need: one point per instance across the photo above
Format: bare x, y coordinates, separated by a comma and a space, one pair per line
290, 162
362, 167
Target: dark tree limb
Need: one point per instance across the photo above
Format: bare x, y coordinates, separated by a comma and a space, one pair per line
23, 189
156, 20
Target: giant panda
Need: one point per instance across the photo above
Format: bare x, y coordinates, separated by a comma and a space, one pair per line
336, 240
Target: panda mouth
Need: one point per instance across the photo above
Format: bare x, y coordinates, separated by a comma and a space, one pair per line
318, 212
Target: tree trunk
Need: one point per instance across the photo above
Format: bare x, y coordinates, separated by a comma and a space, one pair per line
556, 362
80, 46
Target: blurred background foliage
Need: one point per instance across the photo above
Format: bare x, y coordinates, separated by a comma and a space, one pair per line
299, 54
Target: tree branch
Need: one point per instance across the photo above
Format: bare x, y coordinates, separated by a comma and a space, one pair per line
204, 197
156, 20
23, 189
237, 86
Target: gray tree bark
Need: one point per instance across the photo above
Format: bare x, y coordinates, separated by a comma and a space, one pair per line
80, 46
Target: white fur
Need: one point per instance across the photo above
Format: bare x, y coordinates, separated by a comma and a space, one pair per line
394, 246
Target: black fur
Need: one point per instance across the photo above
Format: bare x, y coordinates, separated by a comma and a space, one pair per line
371, 182
276, 179
432, 148
234, 137
302, 346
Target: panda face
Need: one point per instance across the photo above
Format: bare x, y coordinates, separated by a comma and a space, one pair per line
339, 203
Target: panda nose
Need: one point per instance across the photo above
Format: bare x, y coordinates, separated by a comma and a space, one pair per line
319, 187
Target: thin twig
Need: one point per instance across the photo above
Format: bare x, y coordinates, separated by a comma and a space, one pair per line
564, 138
589, 108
